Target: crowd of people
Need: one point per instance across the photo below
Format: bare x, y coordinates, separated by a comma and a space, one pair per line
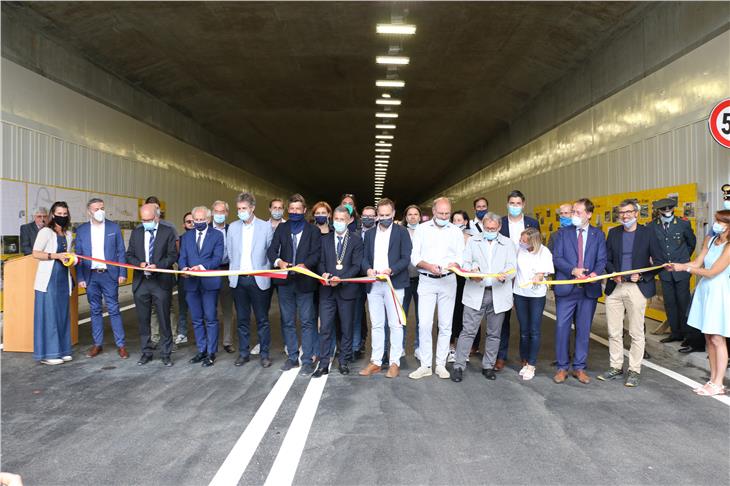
506, 255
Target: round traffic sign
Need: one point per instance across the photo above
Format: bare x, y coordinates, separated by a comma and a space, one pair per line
719, 122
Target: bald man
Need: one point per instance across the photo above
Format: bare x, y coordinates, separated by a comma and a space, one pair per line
153, 245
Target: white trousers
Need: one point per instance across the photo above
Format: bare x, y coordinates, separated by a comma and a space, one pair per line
380, 304
433, 292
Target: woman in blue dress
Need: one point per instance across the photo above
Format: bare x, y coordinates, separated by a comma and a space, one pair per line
51, 318
710, 311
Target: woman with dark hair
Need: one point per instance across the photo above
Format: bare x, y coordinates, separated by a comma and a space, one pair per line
51, 317
460, 219
348, 200
322, 217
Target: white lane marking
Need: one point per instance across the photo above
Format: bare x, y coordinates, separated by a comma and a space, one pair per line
106, 314
287, 460
233, 467
665, 371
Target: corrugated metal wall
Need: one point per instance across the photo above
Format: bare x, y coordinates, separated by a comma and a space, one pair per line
55, 136
652, 134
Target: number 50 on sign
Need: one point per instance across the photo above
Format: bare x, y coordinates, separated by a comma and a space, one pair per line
719, 122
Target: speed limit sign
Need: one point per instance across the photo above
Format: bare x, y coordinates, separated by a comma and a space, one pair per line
719, 122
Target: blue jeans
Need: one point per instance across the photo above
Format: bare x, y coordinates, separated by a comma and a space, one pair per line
410, 292
248, 296
104, 285
529, 313
291, 301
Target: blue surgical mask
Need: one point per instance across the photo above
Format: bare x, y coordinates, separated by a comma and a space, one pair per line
666, 219
148, 225
441, 222
481, 213
413, 225
524, 246
99, 215
242, 215
490, 235
726, 204
277, 214
340, 227
565, 221
320, 220
386, 222
201, 226
296, 217
718, 228
577, 222
219, 218
462, 227
628, 224
514, 211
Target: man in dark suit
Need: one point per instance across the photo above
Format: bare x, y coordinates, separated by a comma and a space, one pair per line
513, 225
297, 243
580, 251
153, 245
628, 247
202, 249
673, 242
341, 257
102, 239
387, 252
29, 231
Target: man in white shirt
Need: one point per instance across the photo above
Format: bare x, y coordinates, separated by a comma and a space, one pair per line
225, 299
437, 245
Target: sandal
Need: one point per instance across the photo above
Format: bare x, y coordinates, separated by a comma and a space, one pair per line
696, 390
712, 390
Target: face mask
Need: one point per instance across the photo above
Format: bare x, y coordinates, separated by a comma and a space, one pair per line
385, 223
242, 215
148, 225
577, 221
201, 226
441, 222
61, 221
668, 214
565, 221
524, 246
277, 214
462, 227
628, 224
666, 219
368, 222
491, 235
340, 227
320, 220
99, 215
413, 225
221, 218
349, 208
481, 213
726, 204
295, 217
718, 228
514, 210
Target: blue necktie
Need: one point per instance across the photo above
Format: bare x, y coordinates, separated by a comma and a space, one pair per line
294, 247
151, 245
199, 241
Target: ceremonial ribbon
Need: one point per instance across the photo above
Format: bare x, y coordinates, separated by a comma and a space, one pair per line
466, 274
590, 279
273, 273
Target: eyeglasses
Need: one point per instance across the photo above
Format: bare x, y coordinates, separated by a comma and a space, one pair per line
626, 213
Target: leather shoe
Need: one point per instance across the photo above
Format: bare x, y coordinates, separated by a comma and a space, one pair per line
393, 371
207, 362
371, 369
490, 374
198, 357
228, 348
690, 349
289, 364
457, 375
320, 372
344, 369
307, 370
94, 351
670, 339
358, 354
123, 353
581, 376
265, 362
499, 365
167, 362
560, 376
242, 360
144, 359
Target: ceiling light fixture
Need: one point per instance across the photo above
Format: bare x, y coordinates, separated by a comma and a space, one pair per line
385, 126
391, 102
395, 29
393, 60
383, 144
382, 150
385, 95
389, 83
384, 137
386, 115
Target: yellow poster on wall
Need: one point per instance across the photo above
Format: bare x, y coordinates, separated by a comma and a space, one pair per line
605, 217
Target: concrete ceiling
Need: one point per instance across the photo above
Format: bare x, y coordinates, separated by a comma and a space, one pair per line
292, 83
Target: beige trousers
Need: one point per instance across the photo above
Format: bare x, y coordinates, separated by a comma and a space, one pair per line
626, 299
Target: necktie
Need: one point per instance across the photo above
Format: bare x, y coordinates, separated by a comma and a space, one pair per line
294, 248
339, 246
666, 226
199, 241
580, 248
151, 245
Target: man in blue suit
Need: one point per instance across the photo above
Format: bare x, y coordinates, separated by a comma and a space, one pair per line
202, 249
388, 252
246, 243
580, 251
297, 243
512, 227
102, 239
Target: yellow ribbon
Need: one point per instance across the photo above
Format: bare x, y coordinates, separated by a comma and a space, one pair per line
461, 273
590, 279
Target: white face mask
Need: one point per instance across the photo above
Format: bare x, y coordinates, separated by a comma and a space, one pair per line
99, 215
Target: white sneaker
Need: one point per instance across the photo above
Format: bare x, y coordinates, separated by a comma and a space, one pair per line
529, 373
66, 359
417, 355
181, 339
52, 361
442, 372
452, 356
421, 372
522, 371
256, 349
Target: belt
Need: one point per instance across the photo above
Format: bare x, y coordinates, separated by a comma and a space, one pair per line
430, 275
98, 270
